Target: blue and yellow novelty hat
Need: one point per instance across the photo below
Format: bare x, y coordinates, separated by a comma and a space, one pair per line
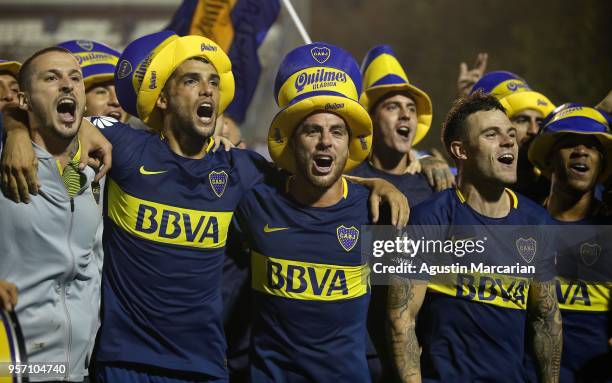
148, 62
318, 77
513, 93
10, 66
97, 60
572, 119
382, 74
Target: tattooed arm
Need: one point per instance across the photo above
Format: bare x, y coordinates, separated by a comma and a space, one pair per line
545, 329
404, 301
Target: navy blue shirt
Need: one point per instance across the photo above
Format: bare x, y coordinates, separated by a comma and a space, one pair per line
310, 286
414, 186
472, 326
165, 231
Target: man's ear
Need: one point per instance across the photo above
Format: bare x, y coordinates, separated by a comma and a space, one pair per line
162, 101
24, 103
457, 149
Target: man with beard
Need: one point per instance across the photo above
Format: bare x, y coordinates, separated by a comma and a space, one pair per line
526, 109
49, 246
574, 152
309, 280
9, 86
169, 203
477, 337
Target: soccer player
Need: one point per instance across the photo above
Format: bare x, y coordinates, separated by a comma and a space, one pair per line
169, 202
468, 336
401, 114
98, 62
49, 246
309, 279
526, 109
574, 151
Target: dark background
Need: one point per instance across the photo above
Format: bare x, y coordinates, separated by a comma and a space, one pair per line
562, 48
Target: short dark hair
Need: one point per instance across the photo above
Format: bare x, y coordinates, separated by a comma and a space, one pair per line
25, 73
453, 127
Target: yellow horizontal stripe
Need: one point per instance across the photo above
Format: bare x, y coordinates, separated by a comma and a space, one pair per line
493, 289
92, 58
580, 296
383, 65
167, 224
308, 281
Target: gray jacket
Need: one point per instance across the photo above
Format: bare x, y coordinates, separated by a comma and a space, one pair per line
48, 248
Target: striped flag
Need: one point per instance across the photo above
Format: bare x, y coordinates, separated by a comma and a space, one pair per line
239, 27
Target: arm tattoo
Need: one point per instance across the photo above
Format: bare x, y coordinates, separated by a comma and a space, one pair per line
546, 328
401, 330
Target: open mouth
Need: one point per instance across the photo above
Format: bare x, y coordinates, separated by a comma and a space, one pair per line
114, 114
403, 131
205, 112
66, 108
323, 163
506, 159
579, 167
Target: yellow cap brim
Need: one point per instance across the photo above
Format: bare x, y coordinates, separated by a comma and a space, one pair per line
370, 98
97, 79
12, 67
519, 101
540, 151
165, 63
284, 123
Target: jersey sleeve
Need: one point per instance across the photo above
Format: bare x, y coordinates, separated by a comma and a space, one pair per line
124, 138
253, 168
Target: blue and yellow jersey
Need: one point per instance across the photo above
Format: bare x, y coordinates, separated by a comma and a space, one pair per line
472, 325
310, 286
414, 186
584, 287
165, 231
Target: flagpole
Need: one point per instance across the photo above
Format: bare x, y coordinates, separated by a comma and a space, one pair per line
297, 22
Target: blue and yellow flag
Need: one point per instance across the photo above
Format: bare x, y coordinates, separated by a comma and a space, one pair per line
239, 27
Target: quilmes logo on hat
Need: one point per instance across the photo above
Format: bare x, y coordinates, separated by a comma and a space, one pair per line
513, 86
333, 106
320, 54
321, 78
208, 47
125, 68
141, 70
85, 44
153, 81
91, 58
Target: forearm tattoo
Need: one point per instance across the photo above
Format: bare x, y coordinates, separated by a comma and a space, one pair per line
546, 328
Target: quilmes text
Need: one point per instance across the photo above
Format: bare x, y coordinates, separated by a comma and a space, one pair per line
320, 79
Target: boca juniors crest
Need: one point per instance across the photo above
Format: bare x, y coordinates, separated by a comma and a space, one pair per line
218, 182
320, 54
589, 253
347, 236
526, 248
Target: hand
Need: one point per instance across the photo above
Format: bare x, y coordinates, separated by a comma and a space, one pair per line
8, 295
385, 191
606, 103
222, 141
437, 171
19, 163
469, 77
96, 150
415, 164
